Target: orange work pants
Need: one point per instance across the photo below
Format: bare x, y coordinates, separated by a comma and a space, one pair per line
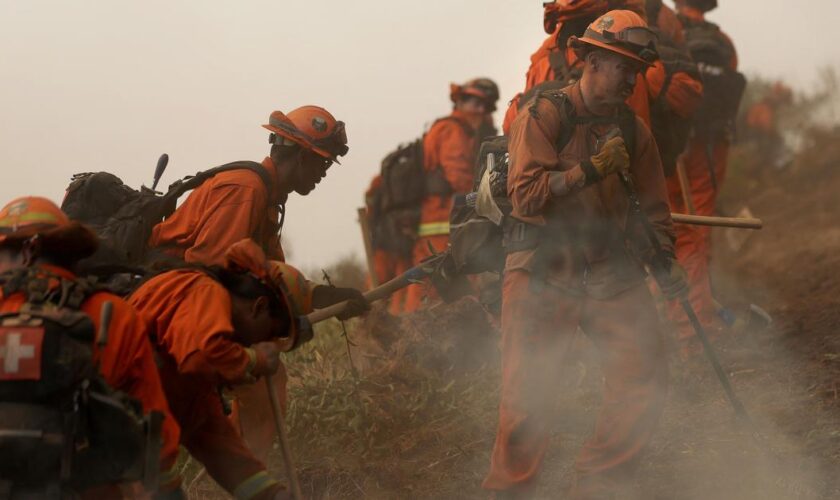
694, 242
416, 295
538, 329
387, 266
252, 415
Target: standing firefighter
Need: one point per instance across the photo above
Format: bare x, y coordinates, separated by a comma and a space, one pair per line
449, 153
39, 247
705, 157
570, 265
762, 121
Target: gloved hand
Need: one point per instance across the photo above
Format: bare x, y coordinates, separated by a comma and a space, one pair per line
675, 284
267, 359
612, 158
325, 296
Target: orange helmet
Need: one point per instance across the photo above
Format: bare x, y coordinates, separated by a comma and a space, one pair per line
290, 286
297, 291
31, 216
311, 127
623, 32
483, 88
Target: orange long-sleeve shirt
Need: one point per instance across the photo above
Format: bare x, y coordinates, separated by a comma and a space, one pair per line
189, 319
227, 208
592, 222
451, 147
188, 316
126, 362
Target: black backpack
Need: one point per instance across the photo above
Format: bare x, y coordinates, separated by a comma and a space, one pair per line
723, 87
405, 183
399, 200
123, 217
61, 426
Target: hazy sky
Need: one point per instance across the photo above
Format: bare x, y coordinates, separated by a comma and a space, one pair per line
110, 85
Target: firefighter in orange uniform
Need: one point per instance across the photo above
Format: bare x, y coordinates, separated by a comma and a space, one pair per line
555, 60
449, 154
762, 122
215, 327
705, 162
569, 266
35, 233
237, 204
387, 263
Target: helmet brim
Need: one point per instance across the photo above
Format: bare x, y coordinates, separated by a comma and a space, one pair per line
302, 143
576, 43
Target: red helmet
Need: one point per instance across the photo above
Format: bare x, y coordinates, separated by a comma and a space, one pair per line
31, 216
483, 88
623, 32
313, 128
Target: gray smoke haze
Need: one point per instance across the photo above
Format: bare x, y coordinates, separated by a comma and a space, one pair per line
100, 85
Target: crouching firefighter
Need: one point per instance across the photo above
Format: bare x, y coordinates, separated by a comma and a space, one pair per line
574, 261
215, 327
81, 405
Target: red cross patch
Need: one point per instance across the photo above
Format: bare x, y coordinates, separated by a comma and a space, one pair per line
20, 352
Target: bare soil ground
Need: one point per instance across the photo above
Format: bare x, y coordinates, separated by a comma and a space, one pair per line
418, 420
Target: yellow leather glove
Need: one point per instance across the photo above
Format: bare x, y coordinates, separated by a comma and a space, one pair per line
612, 158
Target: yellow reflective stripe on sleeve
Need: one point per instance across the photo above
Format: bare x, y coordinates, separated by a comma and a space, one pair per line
433, 228
29, 217
253, 486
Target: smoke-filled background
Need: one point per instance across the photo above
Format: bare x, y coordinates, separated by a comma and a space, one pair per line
406, 407
101, 85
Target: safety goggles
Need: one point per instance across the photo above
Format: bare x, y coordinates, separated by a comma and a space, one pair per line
639, 39
336, 143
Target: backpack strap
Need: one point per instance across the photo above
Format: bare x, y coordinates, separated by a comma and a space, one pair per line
652, 9
564, 73
35, 285
625, 119
190, 182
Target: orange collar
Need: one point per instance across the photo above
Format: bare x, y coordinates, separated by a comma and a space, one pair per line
274, 191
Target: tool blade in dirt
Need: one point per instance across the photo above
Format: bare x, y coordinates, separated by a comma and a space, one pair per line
660, 267
163, 161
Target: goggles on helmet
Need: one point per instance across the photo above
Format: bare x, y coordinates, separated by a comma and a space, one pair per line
336, 142
639, 39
